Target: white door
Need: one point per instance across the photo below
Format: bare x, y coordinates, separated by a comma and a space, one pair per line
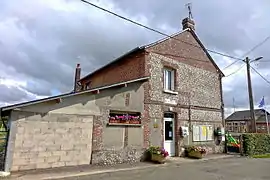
169, 138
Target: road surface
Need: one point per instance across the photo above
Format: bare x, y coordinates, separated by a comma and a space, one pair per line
221, 169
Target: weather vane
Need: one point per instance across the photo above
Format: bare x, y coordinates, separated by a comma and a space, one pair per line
189, 6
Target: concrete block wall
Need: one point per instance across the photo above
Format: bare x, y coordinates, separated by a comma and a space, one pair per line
50, 140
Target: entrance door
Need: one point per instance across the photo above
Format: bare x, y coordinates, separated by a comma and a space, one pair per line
169, 139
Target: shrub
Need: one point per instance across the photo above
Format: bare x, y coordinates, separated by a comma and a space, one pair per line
254, 143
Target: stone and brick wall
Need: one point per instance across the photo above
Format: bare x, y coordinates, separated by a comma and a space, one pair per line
118, 144
52, 140
197, 83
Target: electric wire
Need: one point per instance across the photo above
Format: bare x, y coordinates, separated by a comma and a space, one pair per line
157, 31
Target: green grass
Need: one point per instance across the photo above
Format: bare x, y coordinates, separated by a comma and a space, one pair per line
2, 141
261, 156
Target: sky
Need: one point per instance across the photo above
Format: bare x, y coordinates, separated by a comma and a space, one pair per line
42, 41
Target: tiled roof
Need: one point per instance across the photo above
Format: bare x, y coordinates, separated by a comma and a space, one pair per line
244, 115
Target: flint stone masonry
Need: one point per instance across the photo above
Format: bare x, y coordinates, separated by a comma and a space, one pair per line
51, 140
195, 86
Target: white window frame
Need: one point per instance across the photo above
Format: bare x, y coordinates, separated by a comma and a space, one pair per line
169, 79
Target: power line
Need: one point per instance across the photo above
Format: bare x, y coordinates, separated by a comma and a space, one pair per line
258, 45
157, 31
266, 80
231, 64
252, 49
235, 71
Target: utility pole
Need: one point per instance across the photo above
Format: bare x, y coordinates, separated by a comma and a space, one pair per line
251, 104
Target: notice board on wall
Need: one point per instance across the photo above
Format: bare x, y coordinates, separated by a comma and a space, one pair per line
202, 133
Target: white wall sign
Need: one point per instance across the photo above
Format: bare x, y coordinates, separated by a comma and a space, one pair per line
196, 133
202, 133
169, 101
210, 133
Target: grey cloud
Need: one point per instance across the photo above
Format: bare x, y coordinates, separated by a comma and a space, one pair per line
57, 40
13, 94
44, 43
240, 92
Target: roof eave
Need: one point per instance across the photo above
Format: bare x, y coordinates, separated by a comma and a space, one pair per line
6, 108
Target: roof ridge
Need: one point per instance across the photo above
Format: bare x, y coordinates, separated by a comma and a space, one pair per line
165, 38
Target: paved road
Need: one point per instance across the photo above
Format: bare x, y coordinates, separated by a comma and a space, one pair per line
222, 169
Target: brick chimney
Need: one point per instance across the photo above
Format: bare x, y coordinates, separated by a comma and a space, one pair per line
188, 23
77, 78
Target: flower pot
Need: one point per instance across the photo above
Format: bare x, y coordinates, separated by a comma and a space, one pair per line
158, 158
112, 121
195, 154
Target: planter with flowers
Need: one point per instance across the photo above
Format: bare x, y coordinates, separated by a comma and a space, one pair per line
158, 154
196, 152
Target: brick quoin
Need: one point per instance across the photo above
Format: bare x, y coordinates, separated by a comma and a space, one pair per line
97, 134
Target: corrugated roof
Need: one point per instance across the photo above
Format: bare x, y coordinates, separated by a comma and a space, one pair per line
244, 115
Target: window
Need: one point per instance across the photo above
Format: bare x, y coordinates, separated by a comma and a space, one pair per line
169, 79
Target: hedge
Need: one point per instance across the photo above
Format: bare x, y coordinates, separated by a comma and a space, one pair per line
254, 144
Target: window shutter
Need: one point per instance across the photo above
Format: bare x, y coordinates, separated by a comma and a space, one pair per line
172, 80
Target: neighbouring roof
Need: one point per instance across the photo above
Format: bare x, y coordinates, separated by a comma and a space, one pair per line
262, 119
245, 115
70, 94
142, 48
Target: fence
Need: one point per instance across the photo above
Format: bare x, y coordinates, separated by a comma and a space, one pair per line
3, 142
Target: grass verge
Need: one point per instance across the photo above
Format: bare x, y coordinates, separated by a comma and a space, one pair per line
261, 156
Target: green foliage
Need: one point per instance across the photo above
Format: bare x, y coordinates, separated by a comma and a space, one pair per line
261, 156
2, 134
157, 150
254, 144
193, 148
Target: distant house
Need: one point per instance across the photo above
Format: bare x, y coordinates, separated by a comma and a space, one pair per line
239, 121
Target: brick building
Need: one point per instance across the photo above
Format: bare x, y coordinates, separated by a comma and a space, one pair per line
184, 88
165, 86
240, 121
